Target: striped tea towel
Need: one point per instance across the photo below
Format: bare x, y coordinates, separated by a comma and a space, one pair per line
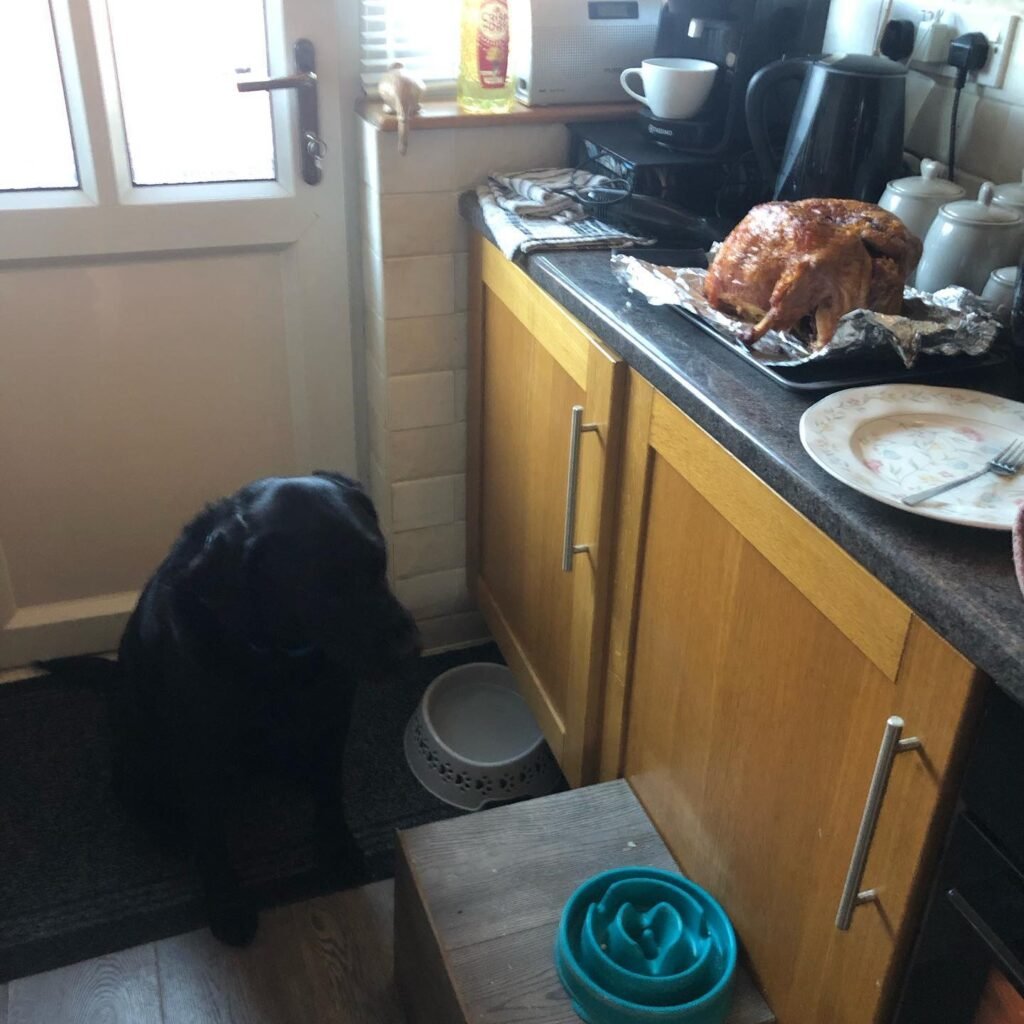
525, 214
537, 193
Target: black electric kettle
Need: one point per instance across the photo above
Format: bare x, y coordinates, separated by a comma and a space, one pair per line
846, 136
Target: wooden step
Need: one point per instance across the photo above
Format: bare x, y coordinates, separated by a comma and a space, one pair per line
478, 900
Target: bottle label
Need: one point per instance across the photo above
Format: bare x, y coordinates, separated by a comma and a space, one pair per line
492, 44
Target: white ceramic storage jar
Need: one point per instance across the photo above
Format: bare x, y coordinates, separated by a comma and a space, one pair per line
1010, 195
999, 291
967, 241
917, 200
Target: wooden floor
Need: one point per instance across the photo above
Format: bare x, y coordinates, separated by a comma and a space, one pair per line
327, 961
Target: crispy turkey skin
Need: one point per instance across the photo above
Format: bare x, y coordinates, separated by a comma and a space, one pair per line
818, 258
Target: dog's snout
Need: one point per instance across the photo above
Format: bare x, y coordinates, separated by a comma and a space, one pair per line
402, 638
403, 634
411, 646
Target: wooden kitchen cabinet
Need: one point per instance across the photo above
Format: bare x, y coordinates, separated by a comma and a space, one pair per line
713, 646
530, 364
752, 668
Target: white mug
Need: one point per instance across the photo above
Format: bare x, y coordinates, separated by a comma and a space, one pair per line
674, 87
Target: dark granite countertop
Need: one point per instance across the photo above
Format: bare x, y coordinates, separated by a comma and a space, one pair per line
959, 580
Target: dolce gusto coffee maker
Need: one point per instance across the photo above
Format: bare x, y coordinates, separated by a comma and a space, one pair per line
740, 37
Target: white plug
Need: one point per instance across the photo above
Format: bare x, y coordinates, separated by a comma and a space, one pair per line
932, 43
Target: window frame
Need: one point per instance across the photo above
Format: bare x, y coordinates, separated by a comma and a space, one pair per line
108, 214
370, 72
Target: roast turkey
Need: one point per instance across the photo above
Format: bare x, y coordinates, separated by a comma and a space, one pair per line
806, 264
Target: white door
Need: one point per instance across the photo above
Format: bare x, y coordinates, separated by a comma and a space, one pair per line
174, 315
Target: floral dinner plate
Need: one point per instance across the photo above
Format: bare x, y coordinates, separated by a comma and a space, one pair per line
891, 440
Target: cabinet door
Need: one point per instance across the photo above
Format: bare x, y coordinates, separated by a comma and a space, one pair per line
763, 666
531, 363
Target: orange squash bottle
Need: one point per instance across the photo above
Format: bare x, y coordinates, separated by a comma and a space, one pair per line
485, 85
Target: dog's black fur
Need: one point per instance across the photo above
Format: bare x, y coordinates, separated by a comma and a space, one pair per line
243, 652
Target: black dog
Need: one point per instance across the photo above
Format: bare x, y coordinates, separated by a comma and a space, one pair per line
244, 649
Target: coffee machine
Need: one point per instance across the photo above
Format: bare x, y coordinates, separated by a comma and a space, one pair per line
740, 36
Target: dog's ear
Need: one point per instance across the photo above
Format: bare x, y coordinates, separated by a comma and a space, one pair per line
339, 478
353, 489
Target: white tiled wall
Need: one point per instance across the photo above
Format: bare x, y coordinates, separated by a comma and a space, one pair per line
415, 273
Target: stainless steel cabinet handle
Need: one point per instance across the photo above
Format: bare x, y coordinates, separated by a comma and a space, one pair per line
853, 895
304, 81
576, 431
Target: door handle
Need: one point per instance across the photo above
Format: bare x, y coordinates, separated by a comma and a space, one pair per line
853, 896
304, 82
300, 80
576, 431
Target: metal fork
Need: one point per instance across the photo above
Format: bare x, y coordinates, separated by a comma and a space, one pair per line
1007, 463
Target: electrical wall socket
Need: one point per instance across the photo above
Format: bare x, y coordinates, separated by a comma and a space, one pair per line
932, 43
938, 25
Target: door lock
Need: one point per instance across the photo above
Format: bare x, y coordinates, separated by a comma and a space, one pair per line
304, 82
315, 147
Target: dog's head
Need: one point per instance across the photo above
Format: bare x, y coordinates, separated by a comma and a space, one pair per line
303, 564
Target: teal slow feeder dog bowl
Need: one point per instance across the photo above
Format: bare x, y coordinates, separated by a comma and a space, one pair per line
641, 944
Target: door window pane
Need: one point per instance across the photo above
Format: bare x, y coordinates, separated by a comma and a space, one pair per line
35, 137
178, 62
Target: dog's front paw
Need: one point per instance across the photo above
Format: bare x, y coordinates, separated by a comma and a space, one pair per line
233, 920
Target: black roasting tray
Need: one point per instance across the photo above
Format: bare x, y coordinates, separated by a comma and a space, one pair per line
835, 374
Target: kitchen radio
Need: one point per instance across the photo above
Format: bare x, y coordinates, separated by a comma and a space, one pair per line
573, 51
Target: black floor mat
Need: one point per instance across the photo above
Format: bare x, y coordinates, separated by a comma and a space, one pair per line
78, 878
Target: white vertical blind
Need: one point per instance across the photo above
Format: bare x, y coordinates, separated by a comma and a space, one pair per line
422, 34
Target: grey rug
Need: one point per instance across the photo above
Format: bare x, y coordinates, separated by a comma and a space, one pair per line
79, 879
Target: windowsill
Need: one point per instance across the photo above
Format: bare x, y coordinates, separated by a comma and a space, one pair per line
446, 114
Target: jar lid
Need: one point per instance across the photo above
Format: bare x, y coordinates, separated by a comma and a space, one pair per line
981, 210
929, 184
1006, 276
1011, 193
